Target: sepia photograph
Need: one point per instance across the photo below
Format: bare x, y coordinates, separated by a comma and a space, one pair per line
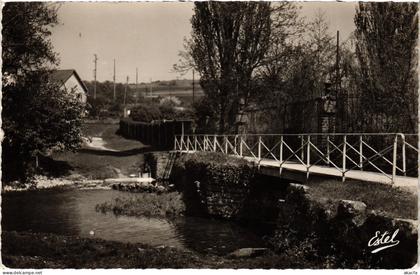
209, 135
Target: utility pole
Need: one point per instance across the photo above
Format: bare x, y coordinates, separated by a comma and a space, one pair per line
342, 106
193, 91
337, 64
137, 83
125, 91
151, 88
115, 94
95, 60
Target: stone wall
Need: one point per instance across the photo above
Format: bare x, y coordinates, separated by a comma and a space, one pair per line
335, 231
159, 163
341, 230
221, 191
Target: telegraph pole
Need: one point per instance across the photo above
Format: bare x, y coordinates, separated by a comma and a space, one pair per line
343, 103
137, 83
151, 87
95, 60
125, 91
115, 94
193, 91
338, 62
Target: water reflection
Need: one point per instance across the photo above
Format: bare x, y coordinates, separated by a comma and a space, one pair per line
72, 212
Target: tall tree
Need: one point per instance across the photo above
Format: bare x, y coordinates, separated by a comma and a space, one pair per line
229, 42
386, 39
300, 60
37, 115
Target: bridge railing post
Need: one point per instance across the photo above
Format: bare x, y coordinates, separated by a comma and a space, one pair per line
241, 146
308, 156
344, 158
328, 150
226, 144
404, 164
175, 142
361, 153
302, 148
195, 143
187, 147
214, 143
259, 148
394, 159
281, 155
235, 151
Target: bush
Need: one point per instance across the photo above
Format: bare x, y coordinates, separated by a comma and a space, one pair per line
152, 111
209, 167
146, 204
146, 113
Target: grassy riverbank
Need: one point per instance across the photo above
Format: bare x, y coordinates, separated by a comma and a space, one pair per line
40, 250
120, 157
146, 204
395, 202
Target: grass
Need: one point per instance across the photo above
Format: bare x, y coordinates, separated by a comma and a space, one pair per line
100, 164
146, 204
41, 250
380, 197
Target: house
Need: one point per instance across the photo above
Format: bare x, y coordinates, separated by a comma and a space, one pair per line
70, 81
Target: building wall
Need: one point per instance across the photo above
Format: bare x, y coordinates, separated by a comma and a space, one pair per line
72, 84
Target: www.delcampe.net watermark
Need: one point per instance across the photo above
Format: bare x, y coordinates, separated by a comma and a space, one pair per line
383, 241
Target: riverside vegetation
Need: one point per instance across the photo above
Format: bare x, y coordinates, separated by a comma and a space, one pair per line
209, 187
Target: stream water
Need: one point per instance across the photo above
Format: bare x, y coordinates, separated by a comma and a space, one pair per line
72, 212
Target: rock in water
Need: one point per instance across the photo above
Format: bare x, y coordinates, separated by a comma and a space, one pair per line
248, 252
91, 233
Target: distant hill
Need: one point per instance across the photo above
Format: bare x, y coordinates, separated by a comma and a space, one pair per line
183, 89
178, 84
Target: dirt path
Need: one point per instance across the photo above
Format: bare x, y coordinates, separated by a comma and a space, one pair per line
105, 155
99, 144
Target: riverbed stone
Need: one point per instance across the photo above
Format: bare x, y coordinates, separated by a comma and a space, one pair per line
248, 252
298, 188
353, 210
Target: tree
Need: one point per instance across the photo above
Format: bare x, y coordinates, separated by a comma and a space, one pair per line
299, 62
287, 28
386, 39
229, 42
37, 115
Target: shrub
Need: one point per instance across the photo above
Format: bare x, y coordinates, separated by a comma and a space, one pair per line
152, 111
209, 167
170, 101
146, 113
146, 204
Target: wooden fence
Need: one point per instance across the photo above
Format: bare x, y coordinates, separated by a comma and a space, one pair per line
159, 134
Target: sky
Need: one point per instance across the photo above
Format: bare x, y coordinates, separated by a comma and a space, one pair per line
147, 36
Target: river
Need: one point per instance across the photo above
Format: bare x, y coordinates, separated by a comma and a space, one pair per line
72, 212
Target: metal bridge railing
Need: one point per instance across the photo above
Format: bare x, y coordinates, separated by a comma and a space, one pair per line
389, 154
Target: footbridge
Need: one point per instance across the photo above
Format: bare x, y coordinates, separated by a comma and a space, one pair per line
390, 158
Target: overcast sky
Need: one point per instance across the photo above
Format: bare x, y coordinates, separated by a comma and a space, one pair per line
144, 35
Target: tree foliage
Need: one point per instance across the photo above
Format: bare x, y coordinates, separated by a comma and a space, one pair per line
229, 41
299, 62
37, 115
386, 39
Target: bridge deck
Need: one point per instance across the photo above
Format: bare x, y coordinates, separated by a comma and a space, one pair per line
399, 181
331, 171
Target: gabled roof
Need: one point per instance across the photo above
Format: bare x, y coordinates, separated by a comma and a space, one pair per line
61, 76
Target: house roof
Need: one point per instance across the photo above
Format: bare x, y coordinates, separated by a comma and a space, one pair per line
61, 76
